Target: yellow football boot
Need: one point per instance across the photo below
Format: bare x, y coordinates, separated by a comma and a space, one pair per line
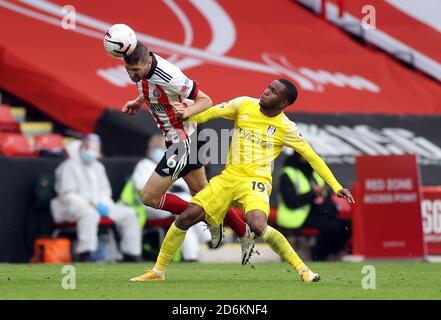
149, 276
308, 276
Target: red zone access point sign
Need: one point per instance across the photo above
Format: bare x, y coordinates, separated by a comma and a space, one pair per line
387, 214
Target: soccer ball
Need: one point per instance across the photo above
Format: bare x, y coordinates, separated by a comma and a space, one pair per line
120, 40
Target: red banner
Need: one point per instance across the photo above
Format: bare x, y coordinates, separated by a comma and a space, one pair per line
54, 57
387, 222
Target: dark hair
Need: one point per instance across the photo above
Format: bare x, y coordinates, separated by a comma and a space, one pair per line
140, 54
290, 90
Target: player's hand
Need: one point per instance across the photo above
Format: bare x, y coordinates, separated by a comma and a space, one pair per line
346, 194
131, 107
181, 111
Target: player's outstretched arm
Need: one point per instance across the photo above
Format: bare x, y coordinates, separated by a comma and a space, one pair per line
227, 110
131, 107
296, 141
324, 172
201, 103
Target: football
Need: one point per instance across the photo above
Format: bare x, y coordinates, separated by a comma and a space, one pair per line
120, 40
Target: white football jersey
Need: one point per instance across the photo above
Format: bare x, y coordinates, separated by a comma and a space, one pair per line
166, 83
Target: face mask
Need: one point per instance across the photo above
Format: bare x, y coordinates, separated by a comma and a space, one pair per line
88, 155
156, 154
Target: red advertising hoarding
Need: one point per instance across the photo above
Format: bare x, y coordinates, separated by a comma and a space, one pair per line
215, 44
431, 211
387, 220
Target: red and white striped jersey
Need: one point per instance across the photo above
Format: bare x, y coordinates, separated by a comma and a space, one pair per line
166, 83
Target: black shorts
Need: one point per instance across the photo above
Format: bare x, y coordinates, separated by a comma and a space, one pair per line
179, 159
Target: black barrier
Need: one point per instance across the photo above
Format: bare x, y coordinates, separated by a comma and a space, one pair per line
124, 135
17, 180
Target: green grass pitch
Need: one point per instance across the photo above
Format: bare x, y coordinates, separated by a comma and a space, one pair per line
394, 280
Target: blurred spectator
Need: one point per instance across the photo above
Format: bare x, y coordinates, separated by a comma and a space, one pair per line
305, 202
84, 196
132, 196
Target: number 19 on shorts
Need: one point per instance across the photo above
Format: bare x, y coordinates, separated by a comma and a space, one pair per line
258, 186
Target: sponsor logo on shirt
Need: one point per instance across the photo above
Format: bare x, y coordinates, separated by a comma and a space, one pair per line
254, 137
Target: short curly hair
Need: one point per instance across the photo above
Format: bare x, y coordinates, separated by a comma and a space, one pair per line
290, 91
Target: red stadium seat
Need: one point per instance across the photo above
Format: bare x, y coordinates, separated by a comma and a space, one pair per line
51, 142
7, 120
65, 227
307, 232
15, 145
163, 223
158, 227
298, 232
49, 145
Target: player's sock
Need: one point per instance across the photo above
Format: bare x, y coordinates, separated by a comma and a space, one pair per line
172, 242
234, 218
172, 203
281, 246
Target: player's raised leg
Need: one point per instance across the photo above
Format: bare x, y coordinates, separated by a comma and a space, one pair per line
172, 242
154, 195
196, 180
154, 189
257, 220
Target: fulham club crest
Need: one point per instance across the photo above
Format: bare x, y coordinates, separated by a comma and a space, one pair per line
270, 131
